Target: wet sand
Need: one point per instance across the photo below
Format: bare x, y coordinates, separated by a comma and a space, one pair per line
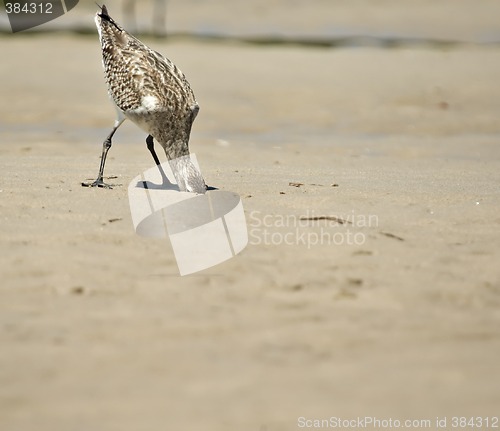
98, 331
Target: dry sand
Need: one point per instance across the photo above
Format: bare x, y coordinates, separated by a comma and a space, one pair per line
99, 332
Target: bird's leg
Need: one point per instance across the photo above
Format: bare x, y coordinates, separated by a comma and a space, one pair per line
106, 145
151, 147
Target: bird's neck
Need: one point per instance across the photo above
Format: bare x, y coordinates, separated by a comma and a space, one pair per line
187, 175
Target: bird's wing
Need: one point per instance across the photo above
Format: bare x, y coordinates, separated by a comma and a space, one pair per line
154, 76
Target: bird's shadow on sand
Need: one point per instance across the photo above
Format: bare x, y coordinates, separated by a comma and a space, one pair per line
153, 186
163, 186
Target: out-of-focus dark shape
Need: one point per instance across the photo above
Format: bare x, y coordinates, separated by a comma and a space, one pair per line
159, 17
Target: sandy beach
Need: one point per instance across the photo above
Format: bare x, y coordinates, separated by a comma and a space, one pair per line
390, 309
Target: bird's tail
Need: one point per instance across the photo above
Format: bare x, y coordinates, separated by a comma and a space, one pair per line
110, 33
104, 13
103, 19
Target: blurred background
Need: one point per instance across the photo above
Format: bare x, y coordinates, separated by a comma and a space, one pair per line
313, 21
317, 68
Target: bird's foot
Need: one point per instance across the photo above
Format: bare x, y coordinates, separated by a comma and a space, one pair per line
99, 183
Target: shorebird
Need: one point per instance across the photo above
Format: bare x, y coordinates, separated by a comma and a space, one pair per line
153, 93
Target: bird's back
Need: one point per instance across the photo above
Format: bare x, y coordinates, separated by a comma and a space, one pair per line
137, 76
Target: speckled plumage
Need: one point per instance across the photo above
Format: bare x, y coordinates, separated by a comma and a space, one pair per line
152, 92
